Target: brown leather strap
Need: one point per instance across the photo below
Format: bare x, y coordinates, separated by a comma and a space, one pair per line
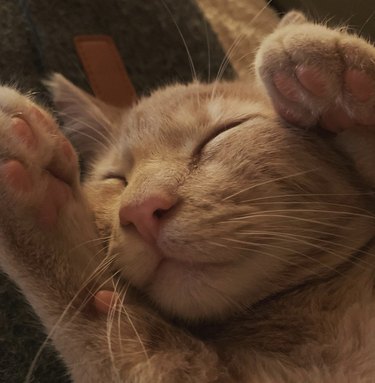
105, 70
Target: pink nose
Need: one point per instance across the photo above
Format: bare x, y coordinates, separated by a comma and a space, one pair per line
147, 215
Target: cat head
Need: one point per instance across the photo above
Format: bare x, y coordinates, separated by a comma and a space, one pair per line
209, 203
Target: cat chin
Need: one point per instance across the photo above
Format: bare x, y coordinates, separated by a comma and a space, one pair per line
192, 291
188, 287
181, 292
186, 290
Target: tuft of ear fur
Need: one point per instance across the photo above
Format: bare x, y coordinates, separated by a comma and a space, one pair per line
87, 121
292, 17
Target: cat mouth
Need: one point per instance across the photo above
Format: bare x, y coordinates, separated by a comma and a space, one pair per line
158, 264
187, 265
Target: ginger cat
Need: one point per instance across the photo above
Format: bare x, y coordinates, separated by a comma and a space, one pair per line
235, 221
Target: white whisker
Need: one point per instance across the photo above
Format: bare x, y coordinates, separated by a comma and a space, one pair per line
303, 240
328, 212
262, 215
283, 248
61, 318
270, 181
109, 136
136, 333
110, 319
310, 195
191, 62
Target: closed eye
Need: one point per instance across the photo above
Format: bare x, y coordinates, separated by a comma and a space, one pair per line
217, 132
118, 177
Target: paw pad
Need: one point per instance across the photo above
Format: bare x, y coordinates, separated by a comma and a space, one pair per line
286, 86
16, 176
38, 165
56, 195
313, 79
23, 131
317, 76
359, 84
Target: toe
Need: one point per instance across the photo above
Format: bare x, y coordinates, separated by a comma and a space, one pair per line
23, 132
57, 194
336, 119
64, 164
286, 86
313, 80
359, 84
40, 117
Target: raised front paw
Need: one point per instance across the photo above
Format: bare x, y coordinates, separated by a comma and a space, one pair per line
38, 165
315, 75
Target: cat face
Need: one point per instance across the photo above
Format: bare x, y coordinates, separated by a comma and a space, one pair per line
211, 204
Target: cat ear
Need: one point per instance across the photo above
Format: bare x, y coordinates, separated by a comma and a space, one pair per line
87, 121
292, 17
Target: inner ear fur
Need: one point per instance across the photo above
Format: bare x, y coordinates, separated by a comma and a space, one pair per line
88, 122
292, 18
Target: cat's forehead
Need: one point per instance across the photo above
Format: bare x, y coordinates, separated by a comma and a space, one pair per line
199, 102
180, 114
